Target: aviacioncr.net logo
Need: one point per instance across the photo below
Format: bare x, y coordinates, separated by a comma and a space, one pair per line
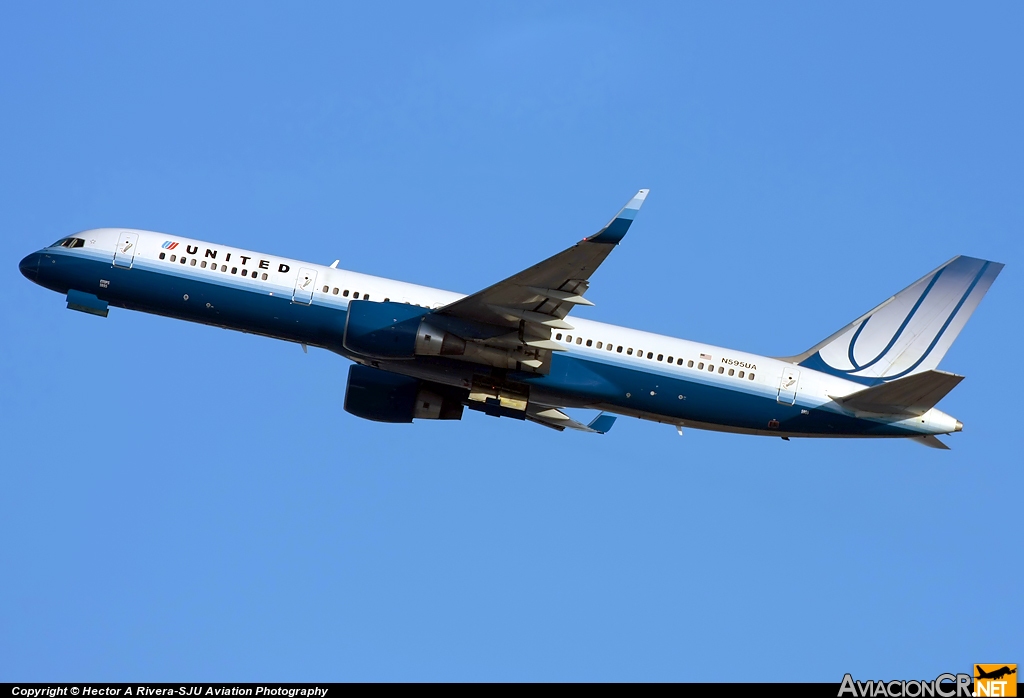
942, 686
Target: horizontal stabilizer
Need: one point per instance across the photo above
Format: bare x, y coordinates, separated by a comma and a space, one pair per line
931, 442
912, 395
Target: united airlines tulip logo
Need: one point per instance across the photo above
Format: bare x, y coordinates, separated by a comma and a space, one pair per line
169, 245
911, 331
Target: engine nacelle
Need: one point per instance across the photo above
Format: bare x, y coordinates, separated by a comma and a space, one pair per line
388, 397
396, 331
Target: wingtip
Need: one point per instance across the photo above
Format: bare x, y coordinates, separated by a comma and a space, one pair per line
603, 423
617, 227
639, 198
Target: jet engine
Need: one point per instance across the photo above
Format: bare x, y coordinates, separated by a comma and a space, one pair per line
388, 397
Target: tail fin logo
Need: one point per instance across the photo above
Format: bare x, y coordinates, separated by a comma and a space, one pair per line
910, 332
169, 245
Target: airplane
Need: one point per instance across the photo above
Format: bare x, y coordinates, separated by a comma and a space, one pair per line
512, 349
995, 674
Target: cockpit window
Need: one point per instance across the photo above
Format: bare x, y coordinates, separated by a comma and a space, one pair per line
70, 243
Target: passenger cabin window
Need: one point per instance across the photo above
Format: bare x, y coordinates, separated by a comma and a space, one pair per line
174, 257
192, 263
629, 352
650, 355
741, 374
610, 348
732, 371
669, 359
750, 376
234, 270
689, 364
600, 345
721, 369
334, 291
558, 336
661, 357
264, 276
711, 368
579, 340
345, 293
201, 264
326, 288
355, 295
590, 342
679, 362
700, 366
618, 349
182, 260
163, 255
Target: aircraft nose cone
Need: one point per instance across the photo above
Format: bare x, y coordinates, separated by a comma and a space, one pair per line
29, 266
959, 425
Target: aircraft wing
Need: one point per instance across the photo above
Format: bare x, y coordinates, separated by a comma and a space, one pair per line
536, 300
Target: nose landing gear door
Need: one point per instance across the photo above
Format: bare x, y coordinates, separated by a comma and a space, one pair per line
124, 253
305, 282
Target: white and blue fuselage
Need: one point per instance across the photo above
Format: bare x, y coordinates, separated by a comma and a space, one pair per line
595, 365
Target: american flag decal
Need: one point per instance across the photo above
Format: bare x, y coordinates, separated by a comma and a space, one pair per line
706, 357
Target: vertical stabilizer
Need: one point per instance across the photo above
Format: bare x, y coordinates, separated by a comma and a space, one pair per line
910, 332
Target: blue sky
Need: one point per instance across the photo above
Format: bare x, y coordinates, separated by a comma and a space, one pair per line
186, 503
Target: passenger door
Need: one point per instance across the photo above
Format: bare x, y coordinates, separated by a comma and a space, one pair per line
124, 253
305, 284
788, 386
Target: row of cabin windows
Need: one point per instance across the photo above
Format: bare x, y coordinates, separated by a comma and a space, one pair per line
366, 296
355, 294
661, 357
213, 265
